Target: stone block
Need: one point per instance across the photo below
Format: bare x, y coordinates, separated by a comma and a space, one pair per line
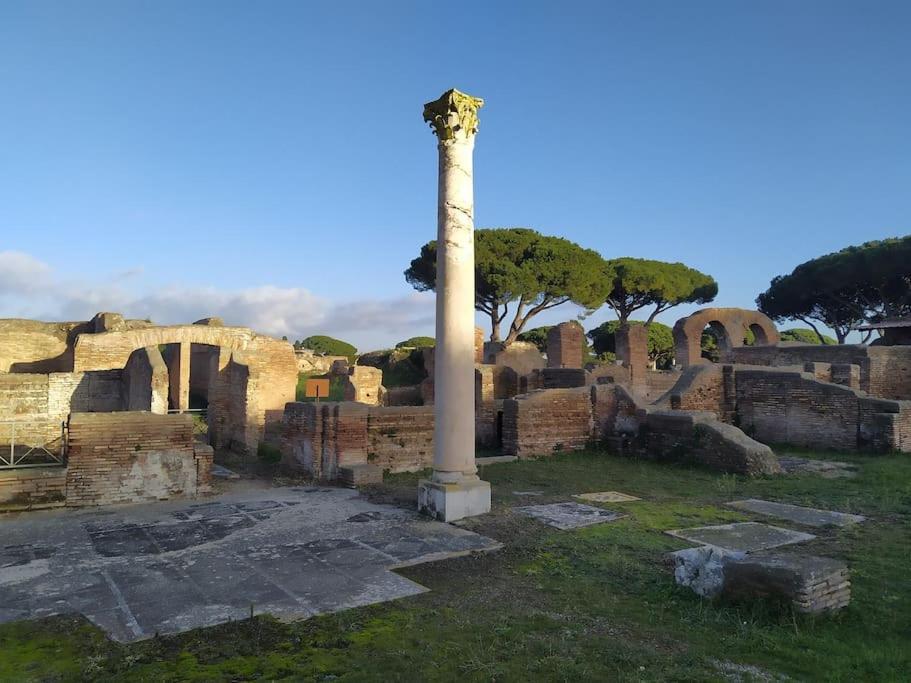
451, 502
360, 475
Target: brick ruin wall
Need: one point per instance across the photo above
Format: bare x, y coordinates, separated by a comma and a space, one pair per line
788, 406
364, 384
550, 421
797, 409
884, 371
322, 438
632, 351
547, 421
31, 488
41, 403
145, 381
133, 456
565, 345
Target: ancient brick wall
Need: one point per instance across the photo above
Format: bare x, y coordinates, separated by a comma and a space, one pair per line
523, 357
321, 438
543, 422
32, 488
890, 372
133, 456
701, 387
553, 378
778, 406
364, 384
884, 371
731, 323
697, 437
41, 403
616, 411
37, 347
565, 345
400, 439
632, 351
145, 381
404, 396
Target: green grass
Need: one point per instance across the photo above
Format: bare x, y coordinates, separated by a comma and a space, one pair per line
595, 604
336, 387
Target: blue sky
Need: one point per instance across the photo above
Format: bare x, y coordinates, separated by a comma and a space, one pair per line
268, 162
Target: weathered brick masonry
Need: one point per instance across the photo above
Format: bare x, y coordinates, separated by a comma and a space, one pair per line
788, 406
547, 421
884, 371
134, 456
30, 488
322, 438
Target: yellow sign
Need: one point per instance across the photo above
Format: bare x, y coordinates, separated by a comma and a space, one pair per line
317, 388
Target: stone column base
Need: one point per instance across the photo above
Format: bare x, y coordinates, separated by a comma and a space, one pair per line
449, 502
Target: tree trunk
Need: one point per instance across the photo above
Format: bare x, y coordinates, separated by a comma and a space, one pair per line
495, 324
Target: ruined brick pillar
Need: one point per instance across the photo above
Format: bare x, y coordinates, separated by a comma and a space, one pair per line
632, 351
565, 344
455, 491
478, 345
179, 376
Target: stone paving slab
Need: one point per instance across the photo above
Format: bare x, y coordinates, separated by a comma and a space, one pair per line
565, 516
797, 514
744, 537
606, 497
827, 469
168, 567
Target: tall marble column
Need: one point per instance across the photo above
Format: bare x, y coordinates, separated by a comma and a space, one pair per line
455, 491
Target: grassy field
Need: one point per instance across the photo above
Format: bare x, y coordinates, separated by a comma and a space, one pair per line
596, 604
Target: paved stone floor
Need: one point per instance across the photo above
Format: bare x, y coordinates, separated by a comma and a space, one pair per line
569, 515
168, 567
797, 514
744, 537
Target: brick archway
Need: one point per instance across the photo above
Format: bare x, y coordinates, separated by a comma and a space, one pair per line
734, 322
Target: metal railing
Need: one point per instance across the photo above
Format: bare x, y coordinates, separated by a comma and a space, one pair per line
31, 451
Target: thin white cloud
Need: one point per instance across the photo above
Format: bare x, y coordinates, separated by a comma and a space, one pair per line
22, 274
279, 311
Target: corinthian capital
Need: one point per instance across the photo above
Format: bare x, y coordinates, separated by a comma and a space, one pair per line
454, 115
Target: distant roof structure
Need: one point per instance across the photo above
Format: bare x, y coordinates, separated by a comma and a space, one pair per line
887, 324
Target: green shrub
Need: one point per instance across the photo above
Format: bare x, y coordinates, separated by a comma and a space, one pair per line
805, 336
336, 388
268, 453
328, 346
417, 343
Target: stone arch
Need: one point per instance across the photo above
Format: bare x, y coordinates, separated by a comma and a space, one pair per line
733, 321
249, 377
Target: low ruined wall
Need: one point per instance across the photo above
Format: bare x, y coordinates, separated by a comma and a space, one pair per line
547, 421
795, 408
400, 439
133, 456
321, 438
697, 437
885, 371
702, 387
39, 404
32, 488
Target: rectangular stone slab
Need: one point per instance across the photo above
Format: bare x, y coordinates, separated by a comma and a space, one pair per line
606, 497
745, 537
565, 516
797, 514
